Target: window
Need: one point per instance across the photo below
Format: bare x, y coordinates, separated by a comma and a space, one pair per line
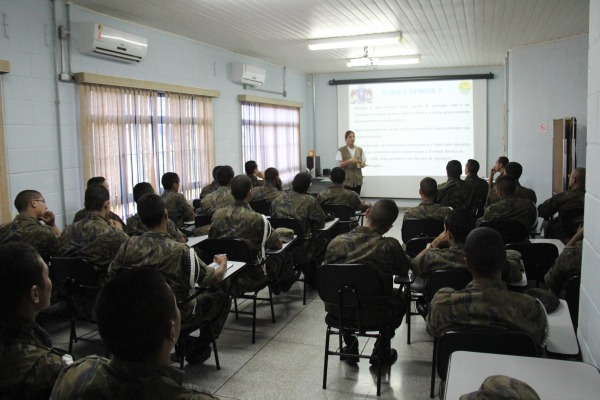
132, 135
4, 196
271, 135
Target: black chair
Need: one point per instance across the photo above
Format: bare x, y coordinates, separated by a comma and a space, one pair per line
511, 231
537, 258
416, 245
348, 288
414, 227
202, 220
344, 213
570, 220
237, 250
495, 341
572, 297
77, 280
261, 206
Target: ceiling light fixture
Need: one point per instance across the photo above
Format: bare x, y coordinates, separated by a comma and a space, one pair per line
384, 61
355, 41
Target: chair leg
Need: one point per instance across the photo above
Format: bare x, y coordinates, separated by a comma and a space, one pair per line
254, 319
408, 313
271, 303
214, 343
327, 333
379, 356
304, 294
235, 307
433, 362
182, 359
72, 335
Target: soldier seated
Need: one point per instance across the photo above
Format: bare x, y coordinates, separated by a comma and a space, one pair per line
515, 170
510, 207
271, 189
454, 192
139, 322
252, 171
337, 194
213, 186
97, 180
567, 264
179, 208
428, 209
28, 362
479, 187
222, 196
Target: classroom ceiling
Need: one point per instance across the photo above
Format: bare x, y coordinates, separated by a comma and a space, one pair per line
447, 33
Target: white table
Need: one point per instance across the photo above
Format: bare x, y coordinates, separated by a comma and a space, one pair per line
194, 240
551, 379
232, 268
522, 283
561, 338
560, 245
328, 225
283, 247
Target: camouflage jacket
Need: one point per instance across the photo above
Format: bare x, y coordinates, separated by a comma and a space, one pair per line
302, 207
521, 192
455, 193
31, 231
266, 192
562, 201
136, 227
486, 303
94, 239
479, 189
568, 263
208, 189
178, 208
79, 215
240, 221
337, 194
220, 198
178, 263
427, 211
96, 377
514, 209
255, 181
28, 363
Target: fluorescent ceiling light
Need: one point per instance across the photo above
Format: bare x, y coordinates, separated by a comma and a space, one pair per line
355, 41
384, 61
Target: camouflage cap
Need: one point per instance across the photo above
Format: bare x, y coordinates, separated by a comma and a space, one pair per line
548, 299
501, 387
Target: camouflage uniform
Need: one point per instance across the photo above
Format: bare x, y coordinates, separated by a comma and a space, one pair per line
302, 207
174, 260
427, 210
337, 194
479, 189
95, 377
568, 263
94, 239
219, 199
454, 257
255, 181
79, 215
208, 189
486, 303
514, 209
240, 221
31, 231
136, 227
558, 203
266, 192
521, 192
28, 363
178, 208
454, 193
364, 245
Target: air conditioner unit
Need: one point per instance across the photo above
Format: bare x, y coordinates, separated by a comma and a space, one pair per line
247, 74
99, 40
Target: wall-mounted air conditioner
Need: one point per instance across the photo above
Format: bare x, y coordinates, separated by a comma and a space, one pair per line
247, 74
99, 40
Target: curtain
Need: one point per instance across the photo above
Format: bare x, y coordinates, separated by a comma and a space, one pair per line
271, 137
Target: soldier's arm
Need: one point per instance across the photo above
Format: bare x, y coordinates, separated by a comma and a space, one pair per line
186, 210
548, 208
317, 216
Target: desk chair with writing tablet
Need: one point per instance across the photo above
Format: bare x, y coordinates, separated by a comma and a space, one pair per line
415, 227
511, 231
537, 258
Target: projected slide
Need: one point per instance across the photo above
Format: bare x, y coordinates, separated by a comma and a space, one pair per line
412, 129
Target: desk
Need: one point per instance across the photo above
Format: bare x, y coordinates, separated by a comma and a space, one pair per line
194, 240
271, 252
522, 283
562, 339
551, 379
232, 268
560, 245
328, 225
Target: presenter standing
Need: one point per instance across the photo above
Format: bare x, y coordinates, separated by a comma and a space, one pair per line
352, 159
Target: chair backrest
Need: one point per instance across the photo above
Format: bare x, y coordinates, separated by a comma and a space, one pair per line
456, 278
261, 206
537, 257
289, 223
196, 203
236, 250
495, 341
572, 297
414, 227
72, 273
344, 213
570, 220
511, 231
416, 245
203, 220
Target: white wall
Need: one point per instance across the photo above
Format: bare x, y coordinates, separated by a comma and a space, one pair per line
589, 301
326, 108
32, 132
545, 82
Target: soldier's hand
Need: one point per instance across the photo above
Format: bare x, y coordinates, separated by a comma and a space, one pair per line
48, 218
115, 224
220, 259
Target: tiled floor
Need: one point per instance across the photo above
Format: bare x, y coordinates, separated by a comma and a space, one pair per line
286, 362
